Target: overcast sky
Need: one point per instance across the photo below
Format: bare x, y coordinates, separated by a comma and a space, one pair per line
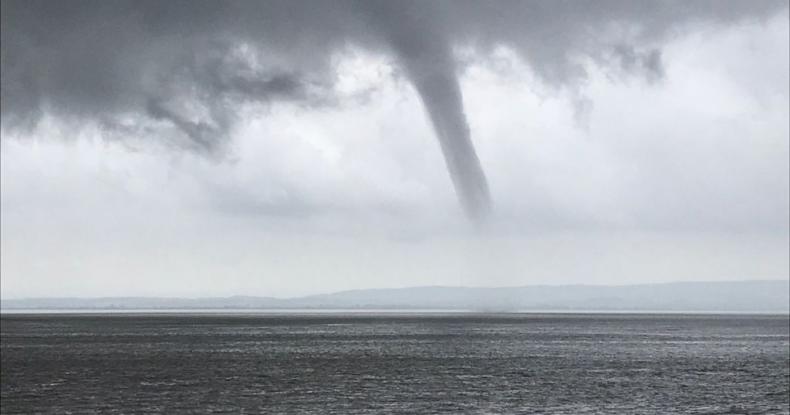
290, 148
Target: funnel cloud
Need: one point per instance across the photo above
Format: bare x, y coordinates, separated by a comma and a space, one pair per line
427, 60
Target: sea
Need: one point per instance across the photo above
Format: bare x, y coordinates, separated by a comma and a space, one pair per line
394, 362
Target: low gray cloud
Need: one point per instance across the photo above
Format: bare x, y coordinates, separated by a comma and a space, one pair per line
180, 70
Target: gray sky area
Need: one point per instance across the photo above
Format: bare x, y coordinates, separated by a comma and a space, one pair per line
286, 148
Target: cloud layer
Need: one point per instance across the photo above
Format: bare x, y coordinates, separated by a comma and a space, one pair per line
329, 177
179, 72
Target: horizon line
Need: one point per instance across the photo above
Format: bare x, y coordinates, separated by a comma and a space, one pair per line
787, 279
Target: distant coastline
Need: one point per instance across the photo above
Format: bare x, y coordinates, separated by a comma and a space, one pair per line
765, 296
374, 312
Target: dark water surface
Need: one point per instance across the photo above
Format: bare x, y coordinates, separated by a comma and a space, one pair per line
405, 363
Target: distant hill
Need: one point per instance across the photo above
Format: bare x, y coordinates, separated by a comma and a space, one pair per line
745, 296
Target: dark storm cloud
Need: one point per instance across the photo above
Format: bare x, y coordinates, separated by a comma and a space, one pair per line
97, 58
184, 67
